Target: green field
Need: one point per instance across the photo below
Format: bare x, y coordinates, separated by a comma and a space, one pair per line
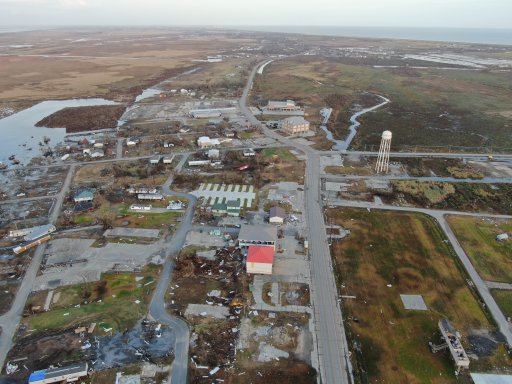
430, 108
504, 300
491, 258
283, 153
109, 302
388, 254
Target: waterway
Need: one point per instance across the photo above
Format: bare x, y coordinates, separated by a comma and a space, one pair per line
342, 145
20, 136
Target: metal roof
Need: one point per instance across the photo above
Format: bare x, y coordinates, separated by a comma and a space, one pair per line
57, 372
296, 120
278, 211
257, 233
257, 254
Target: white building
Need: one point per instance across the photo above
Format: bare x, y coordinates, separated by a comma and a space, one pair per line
249, 152
150, 196
277, 215
213, 154
206, 142
140, 207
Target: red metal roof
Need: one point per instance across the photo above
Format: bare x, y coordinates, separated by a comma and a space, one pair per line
260, 254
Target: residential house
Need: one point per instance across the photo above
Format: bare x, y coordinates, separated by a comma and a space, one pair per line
150, 196
233, 208
219, 209
84, 195
277, 215
206, 142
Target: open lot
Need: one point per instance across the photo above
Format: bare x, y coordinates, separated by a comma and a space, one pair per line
388, 254
491, 258
111, 302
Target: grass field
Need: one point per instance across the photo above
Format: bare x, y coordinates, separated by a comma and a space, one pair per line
491, 258
407, 252
109, 302
430, 108
504, 300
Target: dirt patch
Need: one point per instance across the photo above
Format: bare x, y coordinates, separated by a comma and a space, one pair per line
80, 119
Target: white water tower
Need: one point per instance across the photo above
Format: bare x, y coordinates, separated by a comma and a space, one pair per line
383, 158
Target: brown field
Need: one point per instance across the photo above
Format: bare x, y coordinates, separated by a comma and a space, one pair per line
79, 119
116, 64
407, 252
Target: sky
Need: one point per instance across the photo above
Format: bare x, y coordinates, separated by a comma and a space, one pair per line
387, 13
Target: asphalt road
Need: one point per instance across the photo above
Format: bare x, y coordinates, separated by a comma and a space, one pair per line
10, 320
485, 180
440, 216
330, 333
157, 307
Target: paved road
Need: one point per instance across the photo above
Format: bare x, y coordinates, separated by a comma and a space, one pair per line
9, 321
157, 307
330, 333
440, 216
448, 155
485, 180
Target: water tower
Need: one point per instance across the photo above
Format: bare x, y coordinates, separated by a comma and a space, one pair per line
383, 158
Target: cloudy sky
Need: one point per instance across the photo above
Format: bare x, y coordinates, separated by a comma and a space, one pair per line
405, 13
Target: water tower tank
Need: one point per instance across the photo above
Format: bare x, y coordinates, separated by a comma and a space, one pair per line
386, 135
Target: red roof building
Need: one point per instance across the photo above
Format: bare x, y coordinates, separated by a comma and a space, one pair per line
260, 259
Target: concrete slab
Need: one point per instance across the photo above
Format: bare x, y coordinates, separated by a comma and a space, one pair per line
132, 232
414, 302
207, 310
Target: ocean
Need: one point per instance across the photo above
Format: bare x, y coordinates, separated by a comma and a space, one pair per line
463, 35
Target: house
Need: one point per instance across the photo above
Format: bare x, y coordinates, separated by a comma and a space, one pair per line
19, 232
155, 159
97, 153
249, 152
131, 141
150, 196
260, 259
84, 206
233, 208
213, 154
257, 235
219, 209
134, 190
175, 205
140, 207
98, 145
502, 237
295, 125
84, 195
288, 105
168, 159
193, 163
67, 373
277, 215
206, 142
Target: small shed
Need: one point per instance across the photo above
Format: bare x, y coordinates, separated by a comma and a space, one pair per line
277, 215
260, 259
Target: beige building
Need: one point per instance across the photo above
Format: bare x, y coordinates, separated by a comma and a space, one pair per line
295, 125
